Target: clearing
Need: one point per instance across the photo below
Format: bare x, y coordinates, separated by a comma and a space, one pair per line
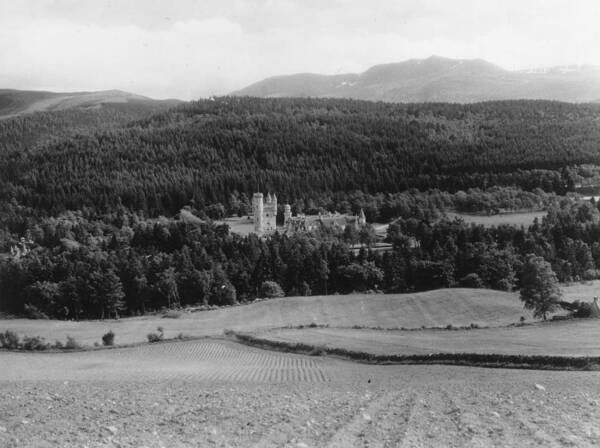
514, 219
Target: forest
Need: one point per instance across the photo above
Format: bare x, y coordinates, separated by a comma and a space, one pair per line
111, 212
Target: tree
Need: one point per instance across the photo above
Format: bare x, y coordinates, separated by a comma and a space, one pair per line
271, 290
539, 286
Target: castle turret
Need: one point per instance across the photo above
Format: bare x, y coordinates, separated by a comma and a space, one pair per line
257, 210
287, 213
362, 219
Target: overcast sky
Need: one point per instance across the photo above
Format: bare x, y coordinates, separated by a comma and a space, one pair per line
194, 48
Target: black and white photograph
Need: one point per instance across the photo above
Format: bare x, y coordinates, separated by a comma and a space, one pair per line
299, 223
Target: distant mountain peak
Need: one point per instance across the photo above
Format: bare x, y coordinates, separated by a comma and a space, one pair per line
439, 79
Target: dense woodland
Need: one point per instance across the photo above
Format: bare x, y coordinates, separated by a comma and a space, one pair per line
205, 152
99, 206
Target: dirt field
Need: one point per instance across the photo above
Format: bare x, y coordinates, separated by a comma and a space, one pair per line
515, 219
431, 309
217, 393
565, 338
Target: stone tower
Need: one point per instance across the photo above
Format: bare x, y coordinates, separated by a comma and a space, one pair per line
287, 213
257, 211
270, 213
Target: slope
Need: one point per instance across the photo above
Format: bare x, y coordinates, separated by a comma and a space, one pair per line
430, 309
19, 102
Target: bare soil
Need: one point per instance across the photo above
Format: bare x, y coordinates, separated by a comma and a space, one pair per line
218, 393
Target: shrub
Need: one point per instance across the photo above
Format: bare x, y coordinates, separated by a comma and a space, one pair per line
471, 280
58, 345
72, 344
172, 314
108, 338
10, 340
312, 325
34, 343
271, 290
32, 312
156, 337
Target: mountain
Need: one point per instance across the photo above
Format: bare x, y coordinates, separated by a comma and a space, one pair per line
18, 102
438, 79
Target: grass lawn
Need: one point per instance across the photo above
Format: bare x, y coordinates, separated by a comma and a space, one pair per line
514, 219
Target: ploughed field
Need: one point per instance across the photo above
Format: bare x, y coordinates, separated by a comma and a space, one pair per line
216, 392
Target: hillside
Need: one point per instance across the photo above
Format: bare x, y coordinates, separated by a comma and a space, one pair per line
430, 309
29, 119
301, 148
438, 79
19, 102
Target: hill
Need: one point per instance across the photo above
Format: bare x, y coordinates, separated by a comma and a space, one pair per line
438, 79
307, 149
18, 102
30, 119
430, 309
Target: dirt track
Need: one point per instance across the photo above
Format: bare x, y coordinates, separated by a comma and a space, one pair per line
217, 393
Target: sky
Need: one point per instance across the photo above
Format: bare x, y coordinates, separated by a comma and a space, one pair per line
189, 49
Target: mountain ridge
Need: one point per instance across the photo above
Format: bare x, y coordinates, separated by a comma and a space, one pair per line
438, 79
14, 102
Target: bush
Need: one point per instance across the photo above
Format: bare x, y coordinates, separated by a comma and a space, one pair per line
156, 337
72, 344
34, 343
10, 340
271, 290
58, 345
108, 338
172, 314
32, 312
471, 280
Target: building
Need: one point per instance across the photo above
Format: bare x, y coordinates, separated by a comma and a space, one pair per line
264, 217
264, 213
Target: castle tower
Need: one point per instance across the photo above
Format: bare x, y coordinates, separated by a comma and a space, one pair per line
270, 213
362, 219
258, 210
287, 213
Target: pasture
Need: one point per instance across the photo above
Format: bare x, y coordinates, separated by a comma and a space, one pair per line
460, 307
565, 338
524, 219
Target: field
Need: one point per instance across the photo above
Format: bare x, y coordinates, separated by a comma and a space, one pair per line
215, 392
514, 219
565, 338
459, 307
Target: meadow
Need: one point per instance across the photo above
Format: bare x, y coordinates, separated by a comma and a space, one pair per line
524, 219
460, 307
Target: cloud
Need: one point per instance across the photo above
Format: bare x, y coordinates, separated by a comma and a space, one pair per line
187, 49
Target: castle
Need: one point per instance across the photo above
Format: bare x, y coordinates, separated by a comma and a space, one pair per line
265, 214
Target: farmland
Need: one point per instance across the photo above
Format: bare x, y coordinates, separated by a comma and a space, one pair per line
215, 392
461, 306
567, 338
